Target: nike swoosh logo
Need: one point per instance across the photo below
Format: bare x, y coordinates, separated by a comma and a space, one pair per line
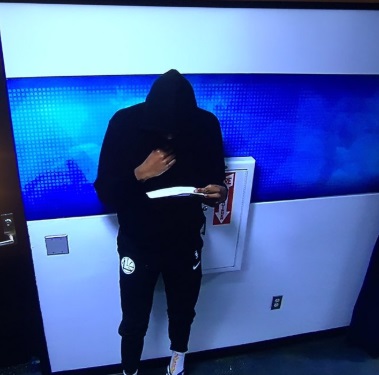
196, 265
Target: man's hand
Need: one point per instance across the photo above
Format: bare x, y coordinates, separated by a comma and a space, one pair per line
157, 163
216, 193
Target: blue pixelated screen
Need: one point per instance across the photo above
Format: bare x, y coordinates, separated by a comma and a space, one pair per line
311, 135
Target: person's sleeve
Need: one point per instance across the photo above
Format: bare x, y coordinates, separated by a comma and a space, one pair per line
213, 159
116, 184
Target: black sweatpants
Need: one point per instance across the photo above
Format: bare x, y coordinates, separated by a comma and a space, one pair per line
140, 267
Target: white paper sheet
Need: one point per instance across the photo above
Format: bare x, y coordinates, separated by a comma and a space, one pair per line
173, 191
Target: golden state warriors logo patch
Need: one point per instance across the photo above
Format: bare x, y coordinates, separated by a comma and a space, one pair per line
127, 265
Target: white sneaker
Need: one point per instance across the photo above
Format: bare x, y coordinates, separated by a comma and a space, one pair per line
169, 372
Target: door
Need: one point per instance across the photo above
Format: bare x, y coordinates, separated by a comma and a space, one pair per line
21, 335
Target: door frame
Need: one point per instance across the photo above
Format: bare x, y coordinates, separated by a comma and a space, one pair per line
11, 194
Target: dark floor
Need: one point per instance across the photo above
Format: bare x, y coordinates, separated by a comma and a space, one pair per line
313, 355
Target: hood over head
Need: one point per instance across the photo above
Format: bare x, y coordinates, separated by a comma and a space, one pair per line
170, 104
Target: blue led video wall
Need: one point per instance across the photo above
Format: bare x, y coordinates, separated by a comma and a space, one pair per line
311, 135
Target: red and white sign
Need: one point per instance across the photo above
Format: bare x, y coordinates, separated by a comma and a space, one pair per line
223, 212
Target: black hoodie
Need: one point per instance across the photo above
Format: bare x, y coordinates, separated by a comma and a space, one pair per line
170, 108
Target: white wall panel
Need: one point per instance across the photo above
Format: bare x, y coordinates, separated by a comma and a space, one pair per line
62, 40
314, 252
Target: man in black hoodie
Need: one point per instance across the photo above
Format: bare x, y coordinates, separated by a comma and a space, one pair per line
164, 142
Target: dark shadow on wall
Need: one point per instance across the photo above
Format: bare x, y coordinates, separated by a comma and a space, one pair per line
364, 327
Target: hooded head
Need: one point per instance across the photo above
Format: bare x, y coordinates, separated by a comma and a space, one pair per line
170, 104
